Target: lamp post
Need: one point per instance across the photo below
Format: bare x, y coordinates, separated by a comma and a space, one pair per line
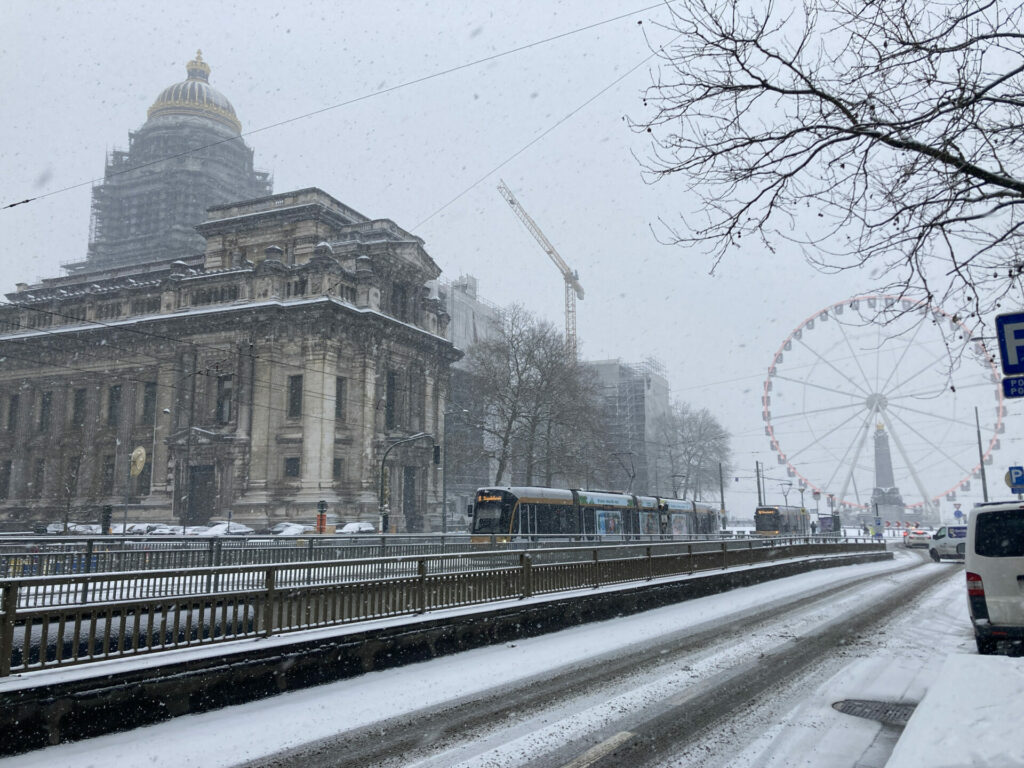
784, 486
444, 468
383, 459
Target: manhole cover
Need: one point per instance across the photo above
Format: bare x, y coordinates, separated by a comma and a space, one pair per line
888, 712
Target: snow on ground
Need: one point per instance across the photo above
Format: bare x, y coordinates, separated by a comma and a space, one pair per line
964, 695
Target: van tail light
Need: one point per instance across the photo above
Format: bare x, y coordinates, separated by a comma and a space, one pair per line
975, 587
976, 596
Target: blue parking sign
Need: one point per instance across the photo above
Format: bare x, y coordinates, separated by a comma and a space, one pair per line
1010, 332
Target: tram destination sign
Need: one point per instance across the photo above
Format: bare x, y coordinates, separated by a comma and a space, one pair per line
1010, 333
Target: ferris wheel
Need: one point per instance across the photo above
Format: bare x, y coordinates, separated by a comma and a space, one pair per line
883, 366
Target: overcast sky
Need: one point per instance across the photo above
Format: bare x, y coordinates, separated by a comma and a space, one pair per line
549, 119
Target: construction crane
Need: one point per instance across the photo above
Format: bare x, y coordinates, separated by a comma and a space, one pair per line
573, 289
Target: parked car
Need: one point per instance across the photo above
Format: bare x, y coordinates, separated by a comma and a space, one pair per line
222, 529
166, 530
196, 530
361, 527
994, 564
949, 541
287, 528
55, 528
291, 529
916, 537
83, 529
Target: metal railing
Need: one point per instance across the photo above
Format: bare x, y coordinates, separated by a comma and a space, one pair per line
51, 621
54, 556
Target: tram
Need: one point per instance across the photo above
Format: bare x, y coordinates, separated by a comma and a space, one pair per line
513, 512
779, 520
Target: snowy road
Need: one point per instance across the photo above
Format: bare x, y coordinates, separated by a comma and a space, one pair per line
741, 679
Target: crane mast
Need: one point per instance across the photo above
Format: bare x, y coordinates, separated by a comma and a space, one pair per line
573, 289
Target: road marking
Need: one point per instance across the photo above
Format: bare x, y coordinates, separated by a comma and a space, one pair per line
598, 751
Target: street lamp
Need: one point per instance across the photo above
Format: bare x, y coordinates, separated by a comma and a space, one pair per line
444, 468
784, 486
384, 458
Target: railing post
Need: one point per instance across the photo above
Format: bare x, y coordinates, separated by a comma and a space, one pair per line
689, 555
597, 569
10, 598
526, 563
650, 563
421, 596
270, 588
725, 556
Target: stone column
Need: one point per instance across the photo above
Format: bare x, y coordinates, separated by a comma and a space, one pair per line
320, 367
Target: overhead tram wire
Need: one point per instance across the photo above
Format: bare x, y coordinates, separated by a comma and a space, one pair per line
542, 135
349, 102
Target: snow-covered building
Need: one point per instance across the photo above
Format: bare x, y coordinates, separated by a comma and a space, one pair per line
266, 371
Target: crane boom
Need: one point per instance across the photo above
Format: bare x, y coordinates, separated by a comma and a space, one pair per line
573, 289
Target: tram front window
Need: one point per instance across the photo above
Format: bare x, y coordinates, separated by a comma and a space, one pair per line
488, 518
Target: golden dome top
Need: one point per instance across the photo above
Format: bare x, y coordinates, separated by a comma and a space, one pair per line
195, 96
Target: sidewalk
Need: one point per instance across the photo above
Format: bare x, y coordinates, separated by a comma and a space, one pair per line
971, 717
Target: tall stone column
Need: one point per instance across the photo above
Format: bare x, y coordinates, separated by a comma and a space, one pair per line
318, 393
261, 387
163, 424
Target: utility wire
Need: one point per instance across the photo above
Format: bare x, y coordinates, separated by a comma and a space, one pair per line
349, 102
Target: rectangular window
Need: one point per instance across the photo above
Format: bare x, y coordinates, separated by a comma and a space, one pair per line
78, 409
38, 473
391, 401
294, 397
107, 475
340, 392
45, 411
225, 391
149, 402
337, 469
114, 405
291, 466
12, 413
5, 478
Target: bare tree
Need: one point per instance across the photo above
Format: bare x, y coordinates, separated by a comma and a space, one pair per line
884, 134
695, 445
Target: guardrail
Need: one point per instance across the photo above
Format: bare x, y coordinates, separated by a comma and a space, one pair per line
53, 621
54, 556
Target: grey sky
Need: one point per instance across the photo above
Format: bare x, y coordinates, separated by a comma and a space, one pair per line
77, 77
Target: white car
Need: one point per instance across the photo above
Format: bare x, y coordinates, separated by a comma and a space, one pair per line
291, 529
995, 573
221, 529
916, 537
949, 541
350, 528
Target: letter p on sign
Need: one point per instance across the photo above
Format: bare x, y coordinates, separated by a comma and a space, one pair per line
1010, 332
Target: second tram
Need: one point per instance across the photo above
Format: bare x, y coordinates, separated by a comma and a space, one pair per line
512, 512
778, 520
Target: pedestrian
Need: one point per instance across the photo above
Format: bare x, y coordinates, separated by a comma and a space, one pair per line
814, 528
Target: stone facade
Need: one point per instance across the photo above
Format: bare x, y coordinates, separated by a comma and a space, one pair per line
261, 377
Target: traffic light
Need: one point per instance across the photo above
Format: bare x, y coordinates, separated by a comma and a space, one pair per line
321, 516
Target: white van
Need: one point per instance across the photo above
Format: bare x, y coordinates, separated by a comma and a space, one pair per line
995, 573
948, 541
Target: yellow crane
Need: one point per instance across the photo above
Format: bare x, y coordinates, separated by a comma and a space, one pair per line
573, 289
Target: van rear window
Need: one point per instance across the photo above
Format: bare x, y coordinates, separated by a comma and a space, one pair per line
1000, 533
